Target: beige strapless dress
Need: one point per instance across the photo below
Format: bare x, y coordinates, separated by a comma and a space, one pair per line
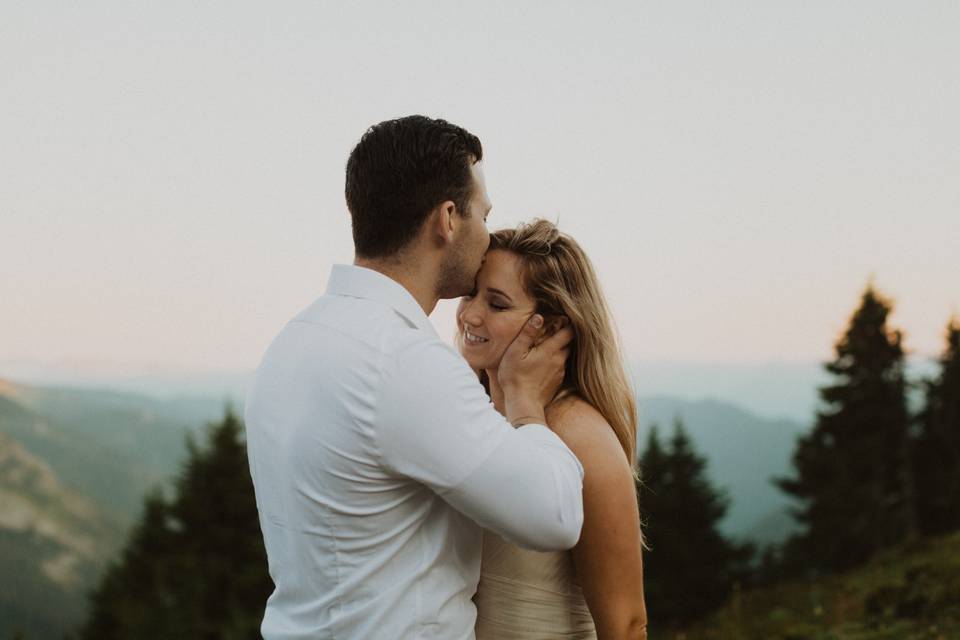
529, 595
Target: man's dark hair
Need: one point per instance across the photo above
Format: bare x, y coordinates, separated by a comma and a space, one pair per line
399, 171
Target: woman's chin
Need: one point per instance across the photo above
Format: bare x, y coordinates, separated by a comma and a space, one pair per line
477, 359
476, 363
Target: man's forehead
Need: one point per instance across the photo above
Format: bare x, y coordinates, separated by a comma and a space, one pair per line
481, 186
477, 170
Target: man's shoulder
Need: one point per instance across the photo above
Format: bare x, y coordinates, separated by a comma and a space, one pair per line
365, 321
417, 350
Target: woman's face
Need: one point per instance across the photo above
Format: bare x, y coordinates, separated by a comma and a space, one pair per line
492, 317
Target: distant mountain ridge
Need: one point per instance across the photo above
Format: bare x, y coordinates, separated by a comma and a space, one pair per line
769, 390
35, 499
53, 543
743, 451
109, 445
74, 468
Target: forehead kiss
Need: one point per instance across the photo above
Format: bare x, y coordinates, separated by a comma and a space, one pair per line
501, 275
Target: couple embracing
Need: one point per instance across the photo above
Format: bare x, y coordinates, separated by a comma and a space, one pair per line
410, 489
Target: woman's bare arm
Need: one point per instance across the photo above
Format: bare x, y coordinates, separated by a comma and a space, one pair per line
607, 558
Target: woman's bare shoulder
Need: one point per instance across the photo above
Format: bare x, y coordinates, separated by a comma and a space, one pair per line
584, 430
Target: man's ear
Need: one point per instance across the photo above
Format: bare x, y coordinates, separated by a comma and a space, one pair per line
445, 223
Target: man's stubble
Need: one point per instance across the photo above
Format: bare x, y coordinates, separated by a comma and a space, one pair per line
458, 271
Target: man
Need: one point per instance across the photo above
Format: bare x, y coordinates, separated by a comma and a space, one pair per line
375, 453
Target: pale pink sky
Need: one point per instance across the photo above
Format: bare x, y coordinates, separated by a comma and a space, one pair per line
173, 173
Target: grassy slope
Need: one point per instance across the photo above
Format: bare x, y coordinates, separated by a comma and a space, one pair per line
910, 592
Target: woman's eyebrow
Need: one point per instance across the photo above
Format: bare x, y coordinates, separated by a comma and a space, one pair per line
497, 291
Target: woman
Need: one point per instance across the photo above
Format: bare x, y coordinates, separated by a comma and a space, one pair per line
596, 589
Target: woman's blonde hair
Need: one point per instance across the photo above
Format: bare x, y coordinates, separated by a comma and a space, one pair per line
559, 276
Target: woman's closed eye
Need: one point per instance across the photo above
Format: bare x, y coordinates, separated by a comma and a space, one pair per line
497, 305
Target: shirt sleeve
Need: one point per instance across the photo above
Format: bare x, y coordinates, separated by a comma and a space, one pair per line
436, 425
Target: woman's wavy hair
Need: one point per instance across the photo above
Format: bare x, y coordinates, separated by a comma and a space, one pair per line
560, 277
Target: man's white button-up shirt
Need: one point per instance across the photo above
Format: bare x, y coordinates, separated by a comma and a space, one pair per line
377, 458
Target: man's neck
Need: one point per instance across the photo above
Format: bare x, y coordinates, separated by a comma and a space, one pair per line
416, 280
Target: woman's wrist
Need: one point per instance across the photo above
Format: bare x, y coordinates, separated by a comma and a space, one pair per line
521, 411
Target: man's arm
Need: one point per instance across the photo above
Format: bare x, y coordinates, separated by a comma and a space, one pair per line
529, 490
436, 425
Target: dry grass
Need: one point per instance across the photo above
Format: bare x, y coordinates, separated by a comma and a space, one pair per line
908, 593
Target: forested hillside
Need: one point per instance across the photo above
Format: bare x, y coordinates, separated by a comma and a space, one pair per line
74, 468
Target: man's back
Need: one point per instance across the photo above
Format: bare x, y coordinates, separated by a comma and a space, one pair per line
347, 540
365, 432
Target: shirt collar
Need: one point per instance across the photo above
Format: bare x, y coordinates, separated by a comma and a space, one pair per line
360, 282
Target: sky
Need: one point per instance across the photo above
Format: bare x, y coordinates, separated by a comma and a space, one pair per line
171, 174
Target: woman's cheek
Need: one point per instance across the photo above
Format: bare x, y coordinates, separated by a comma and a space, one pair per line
506, 334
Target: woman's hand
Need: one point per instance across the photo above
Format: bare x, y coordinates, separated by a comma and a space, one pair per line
531, 370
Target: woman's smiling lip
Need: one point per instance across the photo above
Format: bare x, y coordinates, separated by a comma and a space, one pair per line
472, 338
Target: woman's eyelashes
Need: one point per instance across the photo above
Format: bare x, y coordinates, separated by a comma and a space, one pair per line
493, 303
497, 304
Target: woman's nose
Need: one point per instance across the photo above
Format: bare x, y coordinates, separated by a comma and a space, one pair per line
469, 313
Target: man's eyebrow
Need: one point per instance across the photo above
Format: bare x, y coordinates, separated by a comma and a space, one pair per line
497, 291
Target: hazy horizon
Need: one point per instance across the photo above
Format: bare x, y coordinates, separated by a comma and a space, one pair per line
770, 390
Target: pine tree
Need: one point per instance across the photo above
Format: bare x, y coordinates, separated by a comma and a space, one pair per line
195, 566
650, 485
135, 593
852, 471
936, 459
690, 567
